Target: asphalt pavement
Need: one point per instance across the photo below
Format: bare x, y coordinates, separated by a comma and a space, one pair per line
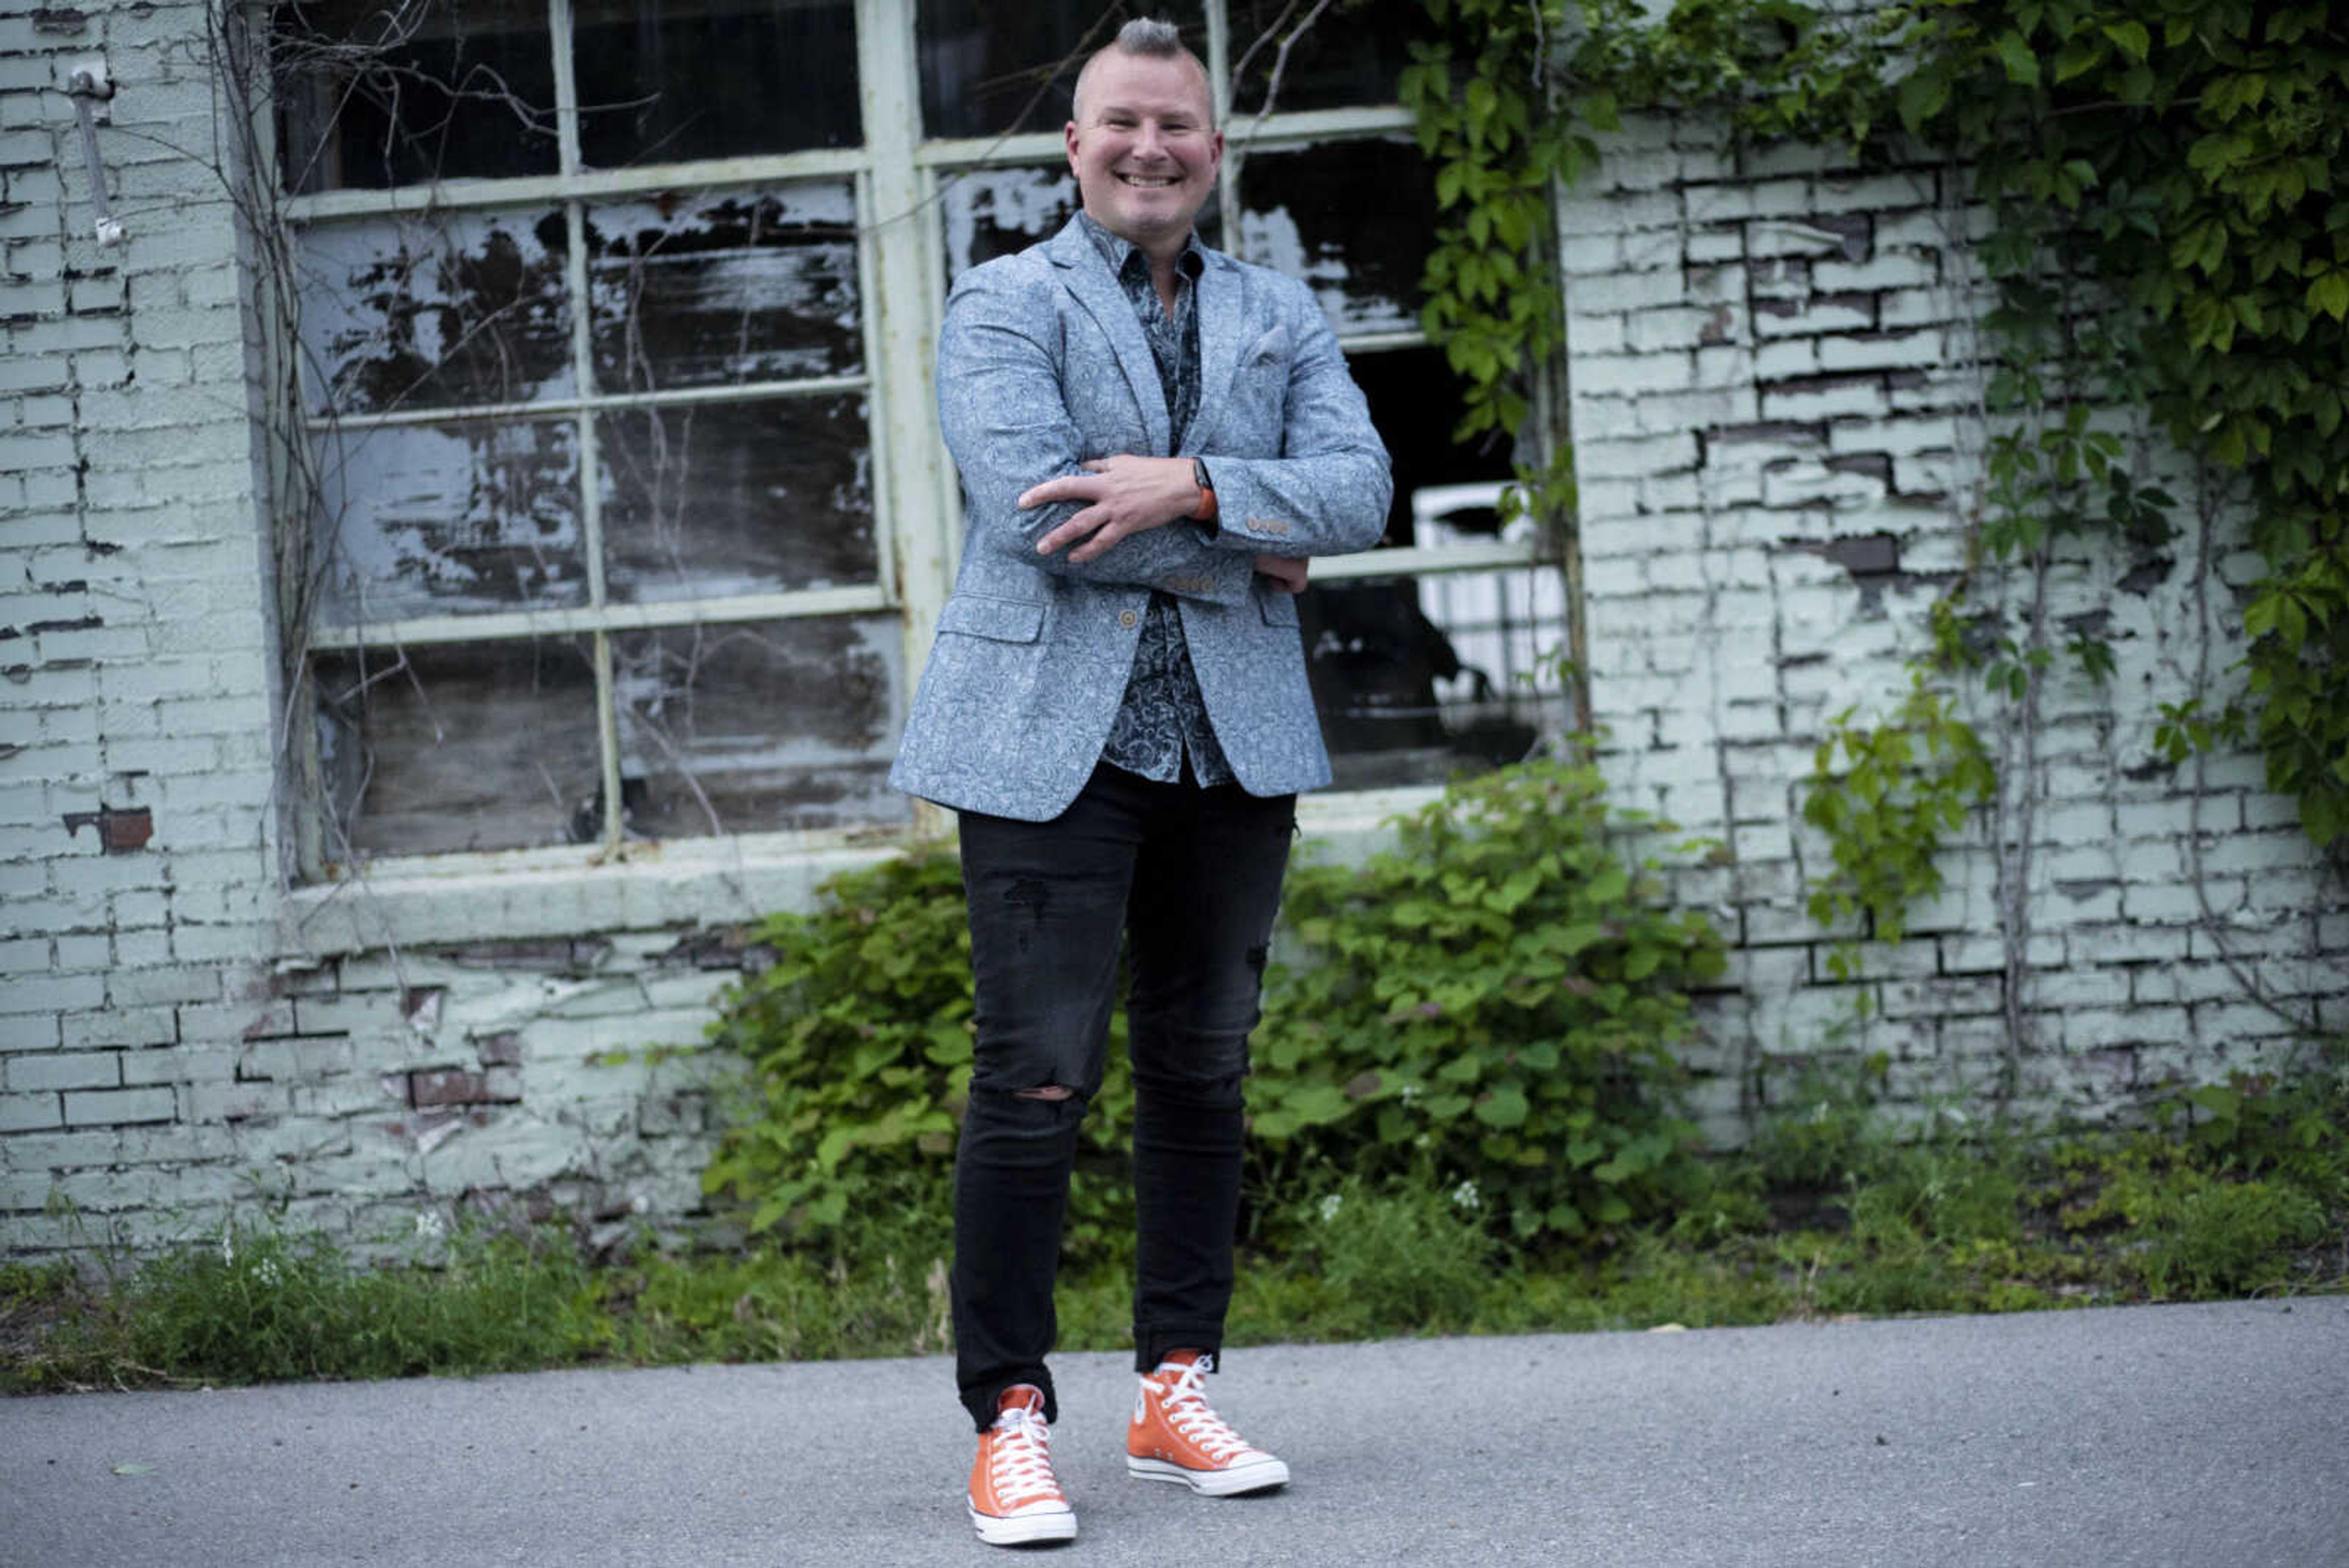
2176, 1436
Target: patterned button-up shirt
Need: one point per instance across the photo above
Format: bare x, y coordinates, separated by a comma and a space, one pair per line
1163, 716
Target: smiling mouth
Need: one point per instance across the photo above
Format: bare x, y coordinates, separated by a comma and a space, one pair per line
1149, 182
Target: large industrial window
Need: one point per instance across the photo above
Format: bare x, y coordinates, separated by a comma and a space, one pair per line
629, 521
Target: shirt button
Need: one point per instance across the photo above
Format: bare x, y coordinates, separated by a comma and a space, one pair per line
1127, 619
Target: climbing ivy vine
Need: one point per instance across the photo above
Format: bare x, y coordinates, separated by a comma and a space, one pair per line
2168, 238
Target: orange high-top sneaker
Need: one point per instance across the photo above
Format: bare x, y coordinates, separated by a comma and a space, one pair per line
1015, 1499
1174, 1436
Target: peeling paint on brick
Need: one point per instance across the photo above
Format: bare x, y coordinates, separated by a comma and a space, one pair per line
1767, 365
2149, 573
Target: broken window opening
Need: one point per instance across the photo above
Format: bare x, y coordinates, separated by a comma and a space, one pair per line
676, 81
1340, 62
371, 97
988, 68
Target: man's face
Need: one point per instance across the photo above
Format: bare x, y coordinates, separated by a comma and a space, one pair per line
1143, 149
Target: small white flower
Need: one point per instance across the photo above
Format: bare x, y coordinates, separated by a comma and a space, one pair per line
1330, 1204
430, 1226
1408, 1093
1465, 1196
228, 1244
265, 1272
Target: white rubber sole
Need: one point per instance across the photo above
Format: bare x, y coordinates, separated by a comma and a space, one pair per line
1025, 1529
1259, 1475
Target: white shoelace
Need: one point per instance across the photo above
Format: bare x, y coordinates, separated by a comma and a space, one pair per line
1185, 1391
1020, 1468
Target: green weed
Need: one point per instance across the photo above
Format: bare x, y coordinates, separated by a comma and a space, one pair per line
1933, 1217
1416, 1254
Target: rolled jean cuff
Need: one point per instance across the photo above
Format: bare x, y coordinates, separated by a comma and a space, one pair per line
982, 1402
1152, 1345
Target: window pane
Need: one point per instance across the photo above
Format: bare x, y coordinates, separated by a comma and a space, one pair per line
667, 81
759, 727
744, 498
372, 96
466, 746
992, 213
717, 290
417, 520
449, 310
1350, 218
1345, 57
995, 66
1416, 400
1418, 678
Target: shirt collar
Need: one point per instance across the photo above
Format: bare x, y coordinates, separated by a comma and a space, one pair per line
1119, 251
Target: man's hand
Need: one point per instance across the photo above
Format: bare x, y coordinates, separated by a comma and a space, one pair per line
1128, 494
1287, 575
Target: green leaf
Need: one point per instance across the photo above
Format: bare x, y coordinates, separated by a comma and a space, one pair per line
2330, 293
2022, 65
1922, 96
2219, 1099
1505, 1106
2078, 58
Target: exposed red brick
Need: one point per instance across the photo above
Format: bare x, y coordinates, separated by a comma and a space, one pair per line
447, 1086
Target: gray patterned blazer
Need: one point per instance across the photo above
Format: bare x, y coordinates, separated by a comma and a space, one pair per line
1042, 365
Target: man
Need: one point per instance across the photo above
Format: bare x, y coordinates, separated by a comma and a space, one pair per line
1153, 437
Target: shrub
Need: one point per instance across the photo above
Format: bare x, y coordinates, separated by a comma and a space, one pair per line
1496, 999
857, 1045
1495, 1002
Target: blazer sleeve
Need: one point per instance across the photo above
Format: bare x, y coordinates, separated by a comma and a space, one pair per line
1327, 492
1005, 414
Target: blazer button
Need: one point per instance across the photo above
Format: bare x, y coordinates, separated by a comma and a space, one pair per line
1127, 619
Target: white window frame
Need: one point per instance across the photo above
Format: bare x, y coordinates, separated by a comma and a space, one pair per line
898, 181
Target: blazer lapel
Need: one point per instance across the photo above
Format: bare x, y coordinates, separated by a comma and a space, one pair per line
1221, 327
1087, 277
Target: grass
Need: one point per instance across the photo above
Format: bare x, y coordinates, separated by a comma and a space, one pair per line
1833, 1212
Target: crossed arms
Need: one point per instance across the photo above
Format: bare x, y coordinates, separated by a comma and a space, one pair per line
1039, 496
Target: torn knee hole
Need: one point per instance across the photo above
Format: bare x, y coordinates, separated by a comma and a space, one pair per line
1048, 1092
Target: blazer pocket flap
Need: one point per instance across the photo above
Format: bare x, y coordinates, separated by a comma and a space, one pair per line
1005, 620
1272, 346
1280, 608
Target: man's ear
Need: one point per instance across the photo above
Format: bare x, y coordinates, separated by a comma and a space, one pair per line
1068, 140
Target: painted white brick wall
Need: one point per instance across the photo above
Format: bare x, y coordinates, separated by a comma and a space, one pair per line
1768, 412
1750, 577
133, 633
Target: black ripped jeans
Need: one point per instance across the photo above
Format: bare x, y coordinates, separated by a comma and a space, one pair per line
1192, 876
